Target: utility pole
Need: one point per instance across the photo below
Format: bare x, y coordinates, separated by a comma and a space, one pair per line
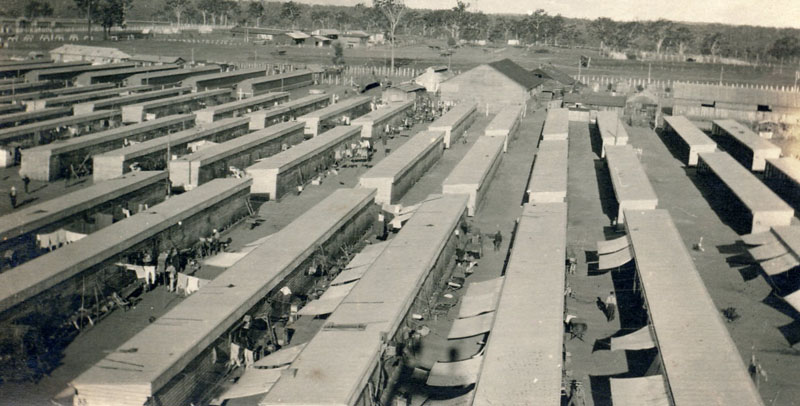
721, 71
89, 19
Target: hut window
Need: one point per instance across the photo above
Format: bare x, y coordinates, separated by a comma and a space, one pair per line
763, 107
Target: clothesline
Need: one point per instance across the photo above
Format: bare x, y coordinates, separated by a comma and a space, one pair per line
57, 238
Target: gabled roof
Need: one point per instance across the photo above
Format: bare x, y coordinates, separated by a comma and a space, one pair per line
105, 52
408, 87
551, 72
155, 58
325, 31
356, 34
298, 35
517, 73
595, 99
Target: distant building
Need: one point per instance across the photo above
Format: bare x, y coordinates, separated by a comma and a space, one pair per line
433, 77
642, 108
584, 107
293, 38
354, 39
708, 102
403, 92
321, 41
149, 60
377, 39
329, 33
72, 53
493, 85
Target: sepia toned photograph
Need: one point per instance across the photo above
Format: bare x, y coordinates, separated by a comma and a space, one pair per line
399, 203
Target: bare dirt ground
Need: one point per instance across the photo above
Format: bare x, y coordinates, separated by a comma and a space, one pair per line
766, 325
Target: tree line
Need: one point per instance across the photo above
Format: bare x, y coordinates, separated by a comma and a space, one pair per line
455, 24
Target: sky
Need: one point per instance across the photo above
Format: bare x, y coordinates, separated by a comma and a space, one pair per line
770, 13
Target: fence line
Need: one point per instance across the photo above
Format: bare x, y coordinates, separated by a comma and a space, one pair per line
667, 83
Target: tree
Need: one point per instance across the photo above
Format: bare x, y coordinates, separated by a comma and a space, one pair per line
178, 7
604, 29
291, 11
553, 28
787, 46
680, 38
393, 10
338, 53
458, 18
659, 31
36, 8
91, 8
256, 9
713, 43
111, 13
321, 17
208, 7
532, 26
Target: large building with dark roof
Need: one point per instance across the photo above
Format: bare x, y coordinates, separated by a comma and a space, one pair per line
493, 85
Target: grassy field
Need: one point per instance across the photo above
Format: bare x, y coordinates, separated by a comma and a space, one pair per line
420, 55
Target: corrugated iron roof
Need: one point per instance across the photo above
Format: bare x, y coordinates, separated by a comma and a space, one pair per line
156, 58
298, 35
86, 50
517, 73
595, 99
551, 72
409, 87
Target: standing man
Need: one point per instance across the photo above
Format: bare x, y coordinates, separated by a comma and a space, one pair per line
26, 181
611, 306
12, 195
172, 273
498, 240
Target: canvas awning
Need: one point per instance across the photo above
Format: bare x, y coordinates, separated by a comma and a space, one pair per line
615, 259
477, 304
471, 326
466, 399
611, 246
793, 299
640, 339
644, 391
253, 382
779, 264
282, 357
488, 286
762, 238
224, 259
328, 302
359, 264
457, 373
767, 251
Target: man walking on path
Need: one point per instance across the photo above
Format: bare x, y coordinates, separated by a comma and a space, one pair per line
26, 181
611, 306
12, 195
498, 240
